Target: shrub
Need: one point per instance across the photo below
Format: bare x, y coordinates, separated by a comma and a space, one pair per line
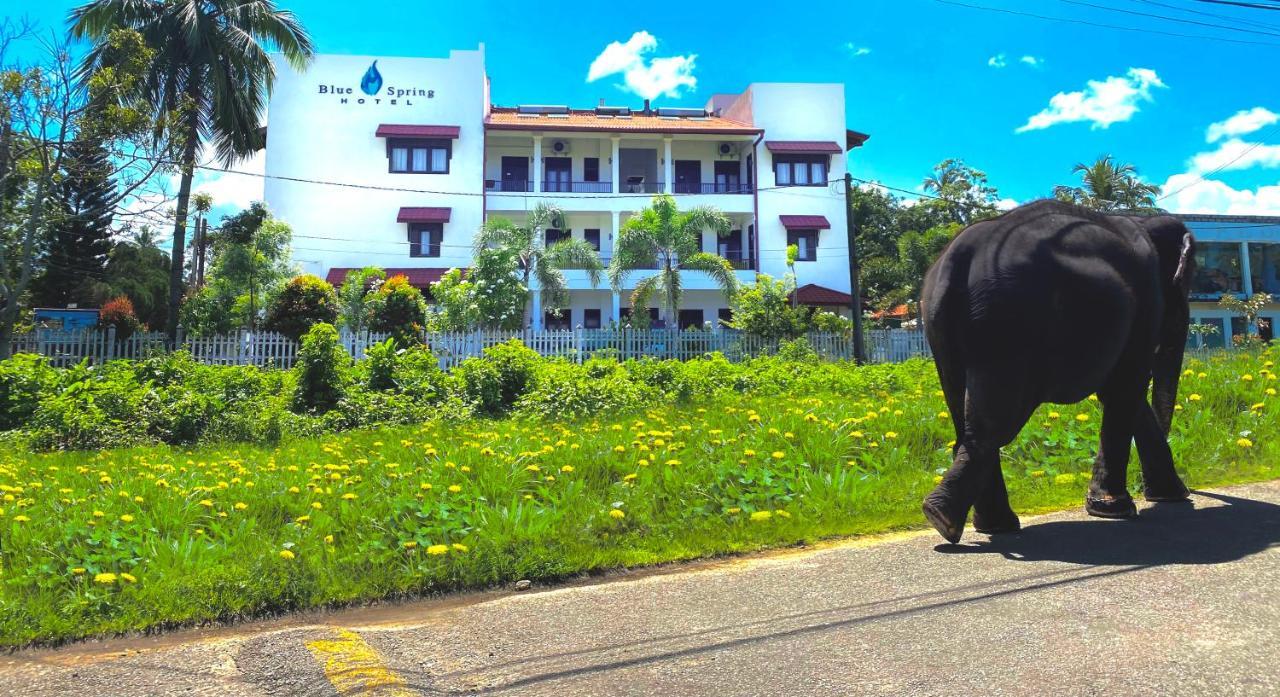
304, 301
569, 391
481, 383
398, 308
321, 366
380, 366
23, 379
516, 364
117, 313
354, 292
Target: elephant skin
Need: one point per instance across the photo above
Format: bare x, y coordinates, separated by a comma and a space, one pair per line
1051, 302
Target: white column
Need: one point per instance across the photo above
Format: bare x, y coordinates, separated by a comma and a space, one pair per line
617, 156
1246, 281
617, 308
537, 171
536, 309
614, 218
668, 167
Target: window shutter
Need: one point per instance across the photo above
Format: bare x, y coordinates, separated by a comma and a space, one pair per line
437, 238
415, 242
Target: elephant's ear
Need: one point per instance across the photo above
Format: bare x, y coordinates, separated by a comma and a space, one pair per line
1186, 263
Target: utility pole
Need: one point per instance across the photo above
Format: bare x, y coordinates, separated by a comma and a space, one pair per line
855, 288
202, 234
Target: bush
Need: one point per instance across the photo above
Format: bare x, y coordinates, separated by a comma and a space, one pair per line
117, 313
481, 383
569, 391
398, 308
303, 302
380, 366
23, 379
516, 364
322, 364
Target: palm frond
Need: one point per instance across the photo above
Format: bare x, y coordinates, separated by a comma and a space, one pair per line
717, 268
575, 254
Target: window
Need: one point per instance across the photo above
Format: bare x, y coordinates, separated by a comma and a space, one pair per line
1264, 267
557, 320
553, 236
592, 237
807, 241
800, 170
418, 156
590, 319
730, 246
727, 178
724, 314
691, 319
425, 239
591, 169
1218, 270
556, 175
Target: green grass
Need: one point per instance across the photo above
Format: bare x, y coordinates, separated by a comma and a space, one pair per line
227, 532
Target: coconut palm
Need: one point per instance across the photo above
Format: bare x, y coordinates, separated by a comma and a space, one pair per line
1108, 185
207, 83
662, 237
539, 261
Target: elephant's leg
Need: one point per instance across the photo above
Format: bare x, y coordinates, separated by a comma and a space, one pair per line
1160, 481
992, 514
1108, 495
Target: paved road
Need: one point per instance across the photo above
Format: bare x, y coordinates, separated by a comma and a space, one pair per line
1184, 600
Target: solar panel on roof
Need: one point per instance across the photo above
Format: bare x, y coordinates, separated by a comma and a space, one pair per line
681, 113
542, 109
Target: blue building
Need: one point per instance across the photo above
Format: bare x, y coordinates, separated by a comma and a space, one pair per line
1237, 254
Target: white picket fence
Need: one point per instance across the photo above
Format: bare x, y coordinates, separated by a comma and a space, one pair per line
266, 349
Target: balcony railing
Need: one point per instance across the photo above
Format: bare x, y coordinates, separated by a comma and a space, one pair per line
508, 185
739, 262
711, 188
557, 187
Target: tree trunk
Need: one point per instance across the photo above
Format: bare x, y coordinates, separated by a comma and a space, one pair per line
180, 228
9, 315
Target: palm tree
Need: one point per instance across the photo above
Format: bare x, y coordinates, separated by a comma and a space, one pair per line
539, 261
664, 238
208, 80
1109, 186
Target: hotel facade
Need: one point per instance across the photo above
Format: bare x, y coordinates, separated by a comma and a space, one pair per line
397, 162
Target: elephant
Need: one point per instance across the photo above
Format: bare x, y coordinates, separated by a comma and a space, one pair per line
1052, 303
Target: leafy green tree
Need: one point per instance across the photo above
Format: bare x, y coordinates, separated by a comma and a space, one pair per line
1108, 185
303, 302
74, 267
353, 296
207, 82
963, 193
663, 237
138, 269
322, 370
536, 260
762, 309
397, 307
491, 295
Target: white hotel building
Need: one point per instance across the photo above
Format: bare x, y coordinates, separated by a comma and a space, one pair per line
432, 157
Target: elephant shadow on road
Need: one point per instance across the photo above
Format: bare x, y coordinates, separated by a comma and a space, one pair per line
1163, 534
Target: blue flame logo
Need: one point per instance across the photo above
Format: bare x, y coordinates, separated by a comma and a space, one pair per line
372, 80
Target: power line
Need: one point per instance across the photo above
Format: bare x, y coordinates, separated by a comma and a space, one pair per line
1117, 27
1250, 5
1215, 15
1203, 177
1179, 20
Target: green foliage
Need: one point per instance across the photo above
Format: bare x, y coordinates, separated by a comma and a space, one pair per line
516, 365
491, 296
1109, 186
481, 384
304, 301
250, 265
322, 367
24, 378
380, 365
527, 245
397, 307
354, 293
118, 314
139, 270
764, 309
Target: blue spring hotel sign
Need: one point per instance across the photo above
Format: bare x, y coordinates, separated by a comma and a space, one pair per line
371, 84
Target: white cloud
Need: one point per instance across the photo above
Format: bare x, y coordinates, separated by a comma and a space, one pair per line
997, 61
231, 192
1192, 195
1032, 61
1241, 123
1101, 102
1006, 204
646, 77
1236, 154
855, 50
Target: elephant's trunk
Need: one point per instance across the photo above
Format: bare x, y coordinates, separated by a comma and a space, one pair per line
1166, 369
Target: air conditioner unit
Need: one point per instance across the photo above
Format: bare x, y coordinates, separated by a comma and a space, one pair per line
727, 150
560, 147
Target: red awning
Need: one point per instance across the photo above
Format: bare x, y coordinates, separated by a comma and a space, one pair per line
418, 277
803, 147
814, 294
424, 215
405, 130
854, 139
805, 222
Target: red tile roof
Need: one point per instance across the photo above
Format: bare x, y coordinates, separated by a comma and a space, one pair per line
814, 294
803, 147
424, 215
416, 131
805, 222
506, 119
854, 139
418, 277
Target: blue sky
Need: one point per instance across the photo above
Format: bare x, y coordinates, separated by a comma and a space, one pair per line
1022, 98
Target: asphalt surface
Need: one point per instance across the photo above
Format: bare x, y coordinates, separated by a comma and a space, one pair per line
1184, 600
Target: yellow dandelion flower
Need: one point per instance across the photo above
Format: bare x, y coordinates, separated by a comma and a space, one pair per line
777, 454
733, 511
98, 514
1194, 397
454, 489
205, 502
104, 578
1036, 473
459, 547
890, 434
21, 519
129, 577
126, 518
348, 496
317, 505
761, 515
424, 486
286, 554
781, 513
410, 544
328, 539
1244, 443
1054, 415
616, 513
1082, 417
78, 571
1247, 377
1064, 479
629, 477
241, 505
437, 550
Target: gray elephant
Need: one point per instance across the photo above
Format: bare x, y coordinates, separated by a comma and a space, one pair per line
1051, 303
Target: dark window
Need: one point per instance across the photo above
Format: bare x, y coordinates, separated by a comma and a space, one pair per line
410, 156
807, 241
590, 319
724, 314
751, 171
553, 236
688, 175
800, 170
727, 178
592, 237
425, 239
654, 321
1264, 267
558, 321
691, 319
515, 174
730, 246
1218, 270
556, 174
591, 169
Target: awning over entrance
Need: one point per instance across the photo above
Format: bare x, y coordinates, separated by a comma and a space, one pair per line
405, 130
418, 277
805, 222
424, 215
803, 147
814, 294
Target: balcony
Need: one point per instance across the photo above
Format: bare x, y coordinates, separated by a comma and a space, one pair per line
711, 188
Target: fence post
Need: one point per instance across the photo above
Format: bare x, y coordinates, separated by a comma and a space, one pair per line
111, 342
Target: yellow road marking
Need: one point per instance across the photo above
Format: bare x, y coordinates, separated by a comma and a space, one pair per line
354, 668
